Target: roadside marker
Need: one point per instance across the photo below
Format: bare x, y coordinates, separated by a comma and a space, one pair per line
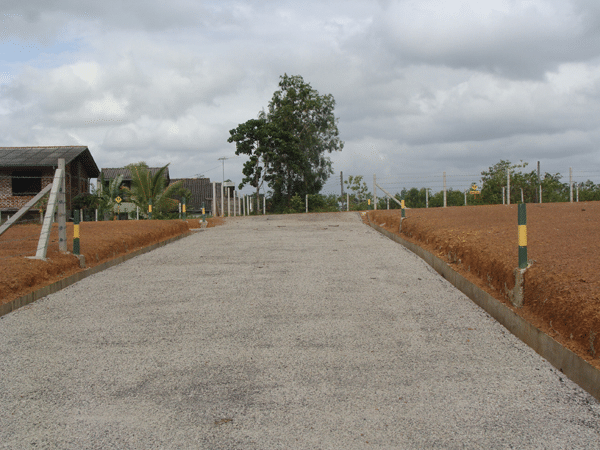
522, 220
76, 248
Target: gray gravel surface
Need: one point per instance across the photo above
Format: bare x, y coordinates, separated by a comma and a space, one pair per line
304, 331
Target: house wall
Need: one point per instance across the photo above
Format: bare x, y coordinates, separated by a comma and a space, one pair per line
76, 182
9, 202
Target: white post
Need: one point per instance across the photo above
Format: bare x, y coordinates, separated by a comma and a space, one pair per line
577, 186
264, 204
465, 198
137, 213
347, 201
222, 201
571, 184
522, 197
426, 197
214, 200
507, 186
62, 210
388, 202
228, 202
445, 203
374, 192
96, 215
306, 202
540, 193
179, 207
503, 195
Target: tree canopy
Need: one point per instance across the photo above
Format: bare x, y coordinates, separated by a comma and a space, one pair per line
288, 144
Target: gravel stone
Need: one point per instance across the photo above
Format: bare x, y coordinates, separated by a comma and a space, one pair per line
279, 332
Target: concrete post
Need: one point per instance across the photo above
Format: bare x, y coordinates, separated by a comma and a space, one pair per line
264, 205
306, 202
228, 202
214, 200
426, 197
445, 203
62, 210
503, 195
374, 192
571, 184
507, 186
347, 201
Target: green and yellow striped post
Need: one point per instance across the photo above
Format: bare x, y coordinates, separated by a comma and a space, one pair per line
183, 208
76, 248
403, 209
150, 209
522, 236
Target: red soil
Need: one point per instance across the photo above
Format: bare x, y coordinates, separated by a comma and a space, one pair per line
562, 284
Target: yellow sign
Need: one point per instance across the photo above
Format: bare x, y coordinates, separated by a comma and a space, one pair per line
474, 190
369, 202
118, 200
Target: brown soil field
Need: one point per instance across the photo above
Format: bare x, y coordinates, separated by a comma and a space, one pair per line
562, 284
99, 242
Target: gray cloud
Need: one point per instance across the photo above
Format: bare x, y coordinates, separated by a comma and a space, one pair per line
422, 86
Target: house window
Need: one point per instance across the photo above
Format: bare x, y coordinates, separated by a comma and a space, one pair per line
26, 182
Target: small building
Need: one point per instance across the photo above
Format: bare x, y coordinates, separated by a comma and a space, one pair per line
201, 189
25, 171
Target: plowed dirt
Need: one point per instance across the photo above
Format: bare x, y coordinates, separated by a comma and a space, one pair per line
562, 284
99, 242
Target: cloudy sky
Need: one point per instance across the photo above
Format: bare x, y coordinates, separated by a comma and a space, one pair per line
421, 86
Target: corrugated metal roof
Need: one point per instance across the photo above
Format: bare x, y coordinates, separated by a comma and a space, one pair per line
47, 157
112, 173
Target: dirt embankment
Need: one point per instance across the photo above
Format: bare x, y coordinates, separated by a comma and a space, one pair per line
99, 242
562, 284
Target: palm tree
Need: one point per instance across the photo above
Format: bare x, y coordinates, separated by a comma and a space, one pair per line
146, 187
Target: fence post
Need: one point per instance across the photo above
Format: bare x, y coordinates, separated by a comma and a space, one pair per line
150, 209
306, 202
76, 249
183, 209
374, 192
96, 215
179, 207
522, 197
503, 195
571, 184
445, 203
137, 213
465, 198
62, 209
577, 186
264, 204
214, 200
522, 220
347, 202
426, 197
507, 186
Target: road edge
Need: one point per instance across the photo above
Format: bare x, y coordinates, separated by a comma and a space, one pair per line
572, 365
26, 299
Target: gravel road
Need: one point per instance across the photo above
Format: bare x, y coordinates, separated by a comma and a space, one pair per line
284, 332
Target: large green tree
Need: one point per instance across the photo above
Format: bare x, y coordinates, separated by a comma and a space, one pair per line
288, 143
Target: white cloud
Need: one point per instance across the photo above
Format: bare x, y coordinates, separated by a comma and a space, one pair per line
431, 85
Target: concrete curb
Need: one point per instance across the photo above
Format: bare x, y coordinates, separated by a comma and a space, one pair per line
572, 365
6, 308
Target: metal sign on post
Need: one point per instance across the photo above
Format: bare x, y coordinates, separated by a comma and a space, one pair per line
118, 200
